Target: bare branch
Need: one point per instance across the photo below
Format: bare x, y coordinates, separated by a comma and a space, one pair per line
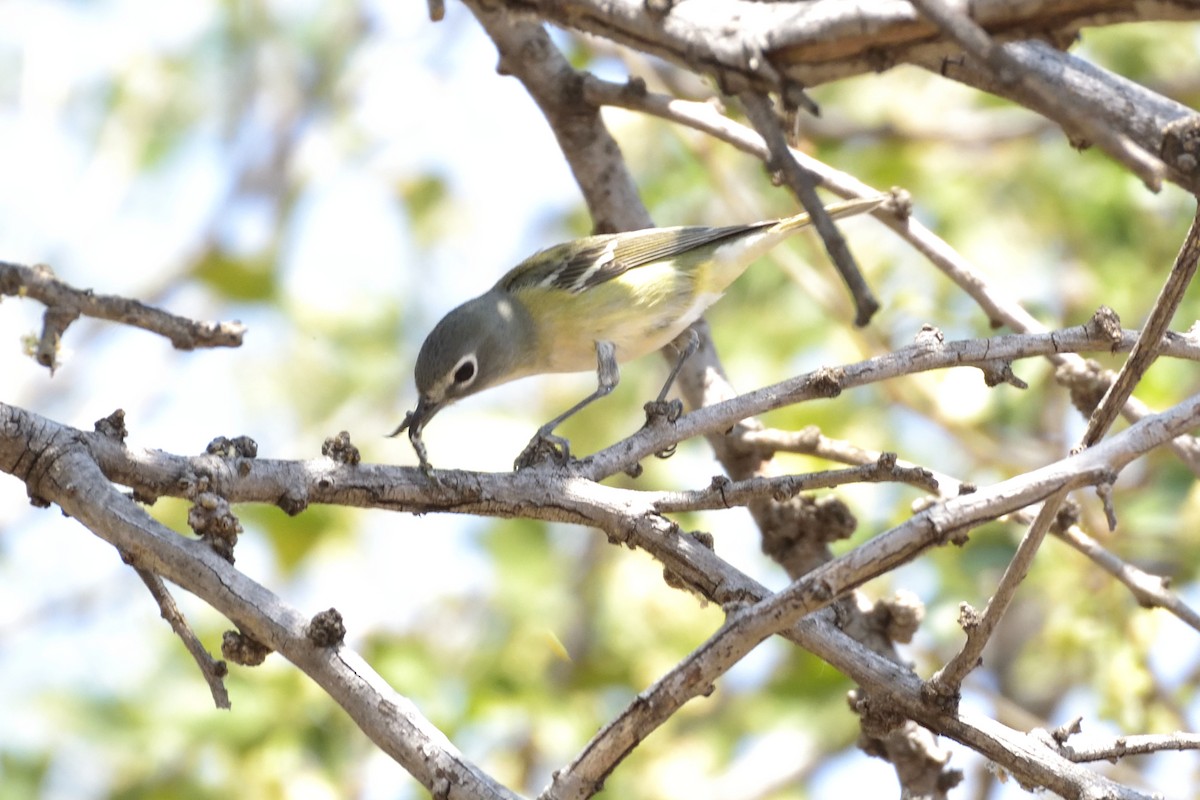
1008, 72
922, 356
64, 304
695, 675
724, 493
947, 680
803, 184
214, 671
67, 476
1134, 115
1147, 349
785, 46
823, 40
153, 473
64, 472
1151, 591
1136, 745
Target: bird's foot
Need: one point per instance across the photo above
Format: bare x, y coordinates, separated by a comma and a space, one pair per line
544, 446
667, 411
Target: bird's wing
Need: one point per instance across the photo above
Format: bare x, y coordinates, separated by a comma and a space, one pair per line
579, 265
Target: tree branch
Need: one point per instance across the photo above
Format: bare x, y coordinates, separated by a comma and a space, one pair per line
64, 304
1147, 349
214, 671
928, 353
1009, 73
803, 184
1133, 746
948, 680
65, 474
785, 47
1151, 591
57, 466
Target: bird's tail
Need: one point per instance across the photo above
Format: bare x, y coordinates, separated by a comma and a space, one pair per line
859, 205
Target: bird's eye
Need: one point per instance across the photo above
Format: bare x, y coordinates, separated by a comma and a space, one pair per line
465, 371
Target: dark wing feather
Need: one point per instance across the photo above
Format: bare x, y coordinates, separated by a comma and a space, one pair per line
576, 266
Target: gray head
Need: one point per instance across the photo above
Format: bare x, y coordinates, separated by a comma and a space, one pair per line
482, 343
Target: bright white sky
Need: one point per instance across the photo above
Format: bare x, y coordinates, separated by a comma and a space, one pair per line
430, 95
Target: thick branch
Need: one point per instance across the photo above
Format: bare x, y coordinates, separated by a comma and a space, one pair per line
58, 467
785, 46
1131, 112
1009, 73
818, 41
63, 472
594, 156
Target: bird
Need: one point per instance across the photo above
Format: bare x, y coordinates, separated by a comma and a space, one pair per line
590, 303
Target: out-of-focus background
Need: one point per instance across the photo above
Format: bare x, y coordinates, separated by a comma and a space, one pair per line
338, 175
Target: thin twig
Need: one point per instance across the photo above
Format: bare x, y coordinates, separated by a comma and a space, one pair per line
947, 680
803, 183
724, 493
1149, 344
1133, 745
214, 671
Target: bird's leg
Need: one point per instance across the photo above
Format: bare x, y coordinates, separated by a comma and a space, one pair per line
544, 443
412, 424
661, 408
418, 445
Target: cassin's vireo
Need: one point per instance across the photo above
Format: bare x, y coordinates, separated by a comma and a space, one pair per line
592, 302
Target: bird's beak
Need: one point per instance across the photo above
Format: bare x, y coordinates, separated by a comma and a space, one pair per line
414, 422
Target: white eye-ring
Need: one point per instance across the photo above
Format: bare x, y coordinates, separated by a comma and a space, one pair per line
465, 371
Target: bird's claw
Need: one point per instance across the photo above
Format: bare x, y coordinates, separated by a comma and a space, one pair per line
544, 446
668, 411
